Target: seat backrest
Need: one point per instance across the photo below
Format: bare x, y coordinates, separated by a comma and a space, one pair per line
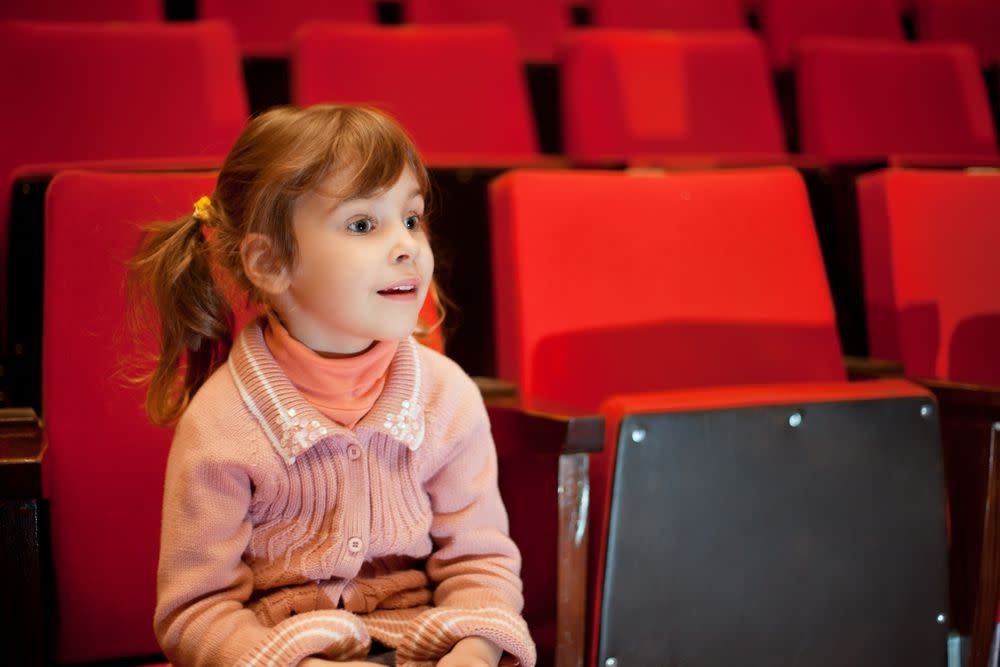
109, 91
975, 22
105, 461
458, 91
628, 93
670, 14
537, 24
785, 23
618, 282
69, 10
932, 281
868, 101
265, 27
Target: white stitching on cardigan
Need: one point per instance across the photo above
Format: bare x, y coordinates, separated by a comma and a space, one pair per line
294, 625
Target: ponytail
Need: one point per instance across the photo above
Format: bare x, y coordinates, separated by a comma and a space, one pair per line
173, 273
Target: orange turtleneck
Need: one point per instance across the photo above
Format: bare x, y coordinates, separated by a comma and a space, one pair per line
343, 389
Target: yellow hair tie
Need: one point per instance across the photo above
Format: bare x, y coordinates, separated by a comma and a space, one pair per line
202, 209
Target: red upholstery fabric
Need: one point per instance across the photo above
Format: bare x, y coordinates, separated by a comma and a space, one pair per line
869, 101
265, 27
537, 24
975, 22
785, 23
932, 281
631, 93
71, 10
105, 462
113, 91
621, 282
670, 14
458, 91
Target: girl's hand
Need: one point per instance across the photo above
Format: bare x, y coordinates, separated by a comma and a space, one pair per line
473, 652
323, 662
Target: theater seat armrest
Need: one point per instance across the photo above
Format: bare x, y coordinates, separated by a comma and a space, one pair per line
961, 395
532, 426
868, 368
22, 448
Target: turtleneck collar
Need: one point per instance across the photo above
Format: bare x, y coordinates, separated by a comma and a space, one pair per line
343, 389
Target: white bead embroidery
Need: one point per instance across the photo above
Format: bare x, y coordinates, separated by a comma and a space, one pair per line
297, 435
408, 423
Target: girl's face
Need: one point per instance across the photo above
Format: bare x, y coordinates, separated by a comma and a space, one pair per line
364, 267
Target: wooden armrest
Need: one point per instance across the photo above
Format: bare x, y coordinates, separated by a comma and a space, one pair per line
960, 395
555, 442
495, 390
22, 447
538, 426
868, 368
22, 536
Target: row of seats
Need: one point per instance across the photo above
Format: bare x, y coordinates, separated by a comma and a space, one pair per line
792, 499
639, 98
625, 95
265, 28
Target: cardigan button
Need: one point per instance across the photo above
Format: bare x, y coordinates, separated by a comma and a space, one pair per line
354, 452
354, 545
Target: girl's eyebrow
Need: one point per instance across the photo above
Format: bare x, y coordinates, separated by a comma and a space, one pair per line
337, 203
415, 193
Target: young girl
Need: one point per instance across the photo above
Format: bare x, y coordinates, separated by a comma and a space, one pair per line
331, 490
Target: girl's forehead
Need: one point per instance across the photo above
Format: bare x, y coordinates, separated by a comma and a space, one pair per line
345, 184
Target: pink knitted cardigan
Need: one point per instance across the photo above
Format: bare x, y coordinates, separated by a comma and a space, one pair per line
286, 535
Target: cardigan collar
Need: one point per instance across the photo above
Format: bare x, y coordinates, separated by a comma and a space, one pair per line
293, 425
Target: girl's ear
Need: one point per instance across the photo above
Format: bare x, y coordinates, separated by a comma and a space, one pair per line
261, 265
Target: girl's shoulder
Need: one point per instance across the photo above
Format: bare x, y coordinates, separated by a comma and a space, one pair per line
452, 405
218, 418
445, 380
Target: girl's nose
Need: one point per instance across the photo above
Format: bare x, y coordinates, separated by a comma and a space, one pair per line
406, 247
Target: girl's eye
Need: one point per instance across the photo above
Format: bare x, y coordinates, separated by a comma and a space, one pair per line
362, 226
412, 222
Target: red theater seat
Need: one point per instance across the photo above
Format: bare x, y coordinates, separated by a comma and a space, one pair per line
114, 92
709, 509
458, 91
870, 102
631, 96
649, 284
975, 22
931, 294
105, 462
670, 14
537, 24
265, 27
69, 10
786, 22
931, 276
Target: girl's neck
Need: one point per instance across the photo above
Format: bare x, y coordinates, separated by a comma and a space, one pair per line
344, 387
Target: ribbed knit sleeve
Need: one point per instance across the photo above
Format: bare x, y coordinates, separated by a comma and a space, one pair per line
203, 583
475, 565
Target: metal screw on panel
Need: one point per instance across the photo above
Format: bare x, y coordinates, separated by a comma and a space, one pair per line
926, 410
941, 618
611, 662
795, 419
638, 435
